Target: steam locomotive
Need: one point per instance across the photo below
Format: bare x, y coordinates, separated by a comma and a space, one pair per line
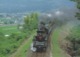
40, 41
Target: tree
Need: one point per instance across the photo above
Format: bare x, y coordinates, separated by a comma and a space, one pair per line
30, 22
78, 6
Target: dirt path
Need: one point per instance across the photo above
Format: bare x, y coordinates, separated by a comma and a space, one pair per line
65, 31
39, 54
58, 39
42, 54
62, 42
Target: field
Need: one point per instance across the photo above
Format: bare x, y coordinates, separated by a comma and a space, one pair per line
8, 29
10, 39
13, 41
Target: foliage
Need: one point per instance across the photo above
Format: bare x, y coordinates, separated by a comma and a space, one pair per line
74, 38
78, 16
30, 22
9, 44
8, 29
78, 6
75, 33
23, 49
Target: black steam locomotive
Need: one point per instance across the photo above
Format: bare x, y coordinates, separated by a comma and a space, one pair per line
40, 41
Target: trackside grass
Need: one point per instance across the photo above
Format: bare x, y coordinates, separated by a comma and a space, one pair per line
22, 50
56, 50
8, 29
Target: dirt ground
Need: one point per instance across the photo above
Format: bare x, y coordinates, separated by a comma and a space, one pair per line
39, 54
65, 31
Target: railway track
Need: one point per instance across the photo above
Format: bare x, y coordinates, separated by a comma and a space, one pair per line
41, 54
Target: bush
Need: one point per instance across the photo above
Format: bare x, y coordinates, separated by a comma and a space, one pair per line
74, 38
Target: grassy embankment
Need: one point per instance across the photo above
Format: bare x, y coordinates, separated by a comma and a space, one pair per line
74, 38
8, 29
11, 38
22, 50
9, 44
56, 50
59, 34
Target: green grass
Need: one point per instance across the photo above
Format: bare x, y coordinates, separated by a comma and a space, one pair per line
9, 29
7, 43
56, 50
22, 51
76, 32
10, 44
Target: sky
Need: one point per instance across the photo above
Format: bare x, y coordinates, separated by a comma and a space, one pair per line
15, 6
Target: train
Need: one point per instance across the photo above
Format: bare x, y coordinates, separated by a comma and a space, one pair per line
40, 41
